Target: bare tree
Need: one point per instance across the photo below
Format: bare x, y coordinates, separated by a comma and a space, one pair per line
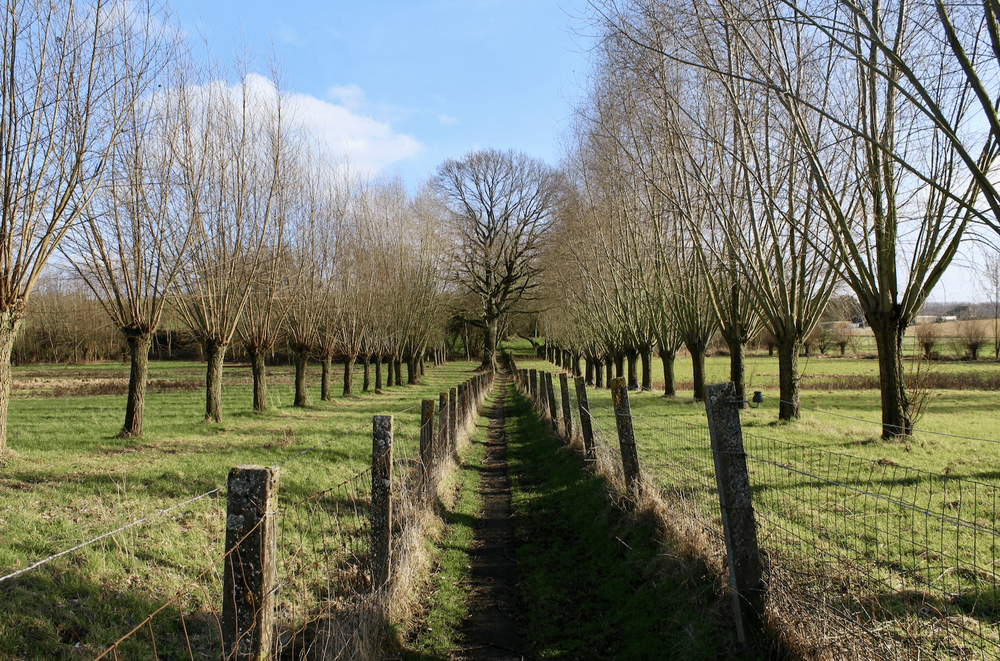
501, 204
230, 159
131, 242
990, 275
69, 75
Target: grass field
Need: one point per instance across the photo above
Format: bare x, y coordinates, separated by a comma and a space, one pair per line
852, 518
67, 479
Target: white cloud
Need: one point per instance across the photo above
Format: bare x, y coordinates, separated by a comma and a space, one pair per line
290, 35
447, 120
368, 143
350, 96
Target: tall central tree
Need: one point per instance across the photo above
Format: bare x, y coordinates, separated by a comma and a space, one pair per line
500, 204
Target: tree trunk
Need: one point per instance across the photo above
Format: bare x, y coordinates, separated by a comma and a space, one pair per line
590, 371
420, 365
668, 357
300, 358
138, 348
326, 376
646, 353
888, 329
215, 354
737, 364
598, 373
349, 375
366, 360
619, 366
257, 369
10, 322
490, 344
397, 367
576, 365
608, 367
411, 371
788, 378
633, 372
697, 351
378, 373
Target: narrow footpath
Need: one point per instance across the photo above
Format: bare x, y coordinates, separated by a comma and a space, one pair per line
491, 631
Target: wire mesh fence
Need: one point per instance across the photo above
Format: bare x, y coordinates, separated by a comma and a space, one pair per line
863, 558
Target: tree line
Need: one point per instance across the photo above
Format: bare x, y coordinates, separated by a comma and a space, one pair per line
734, 162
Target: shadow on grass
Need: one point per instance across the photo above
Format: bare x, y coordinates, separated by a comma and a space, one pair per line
591, 579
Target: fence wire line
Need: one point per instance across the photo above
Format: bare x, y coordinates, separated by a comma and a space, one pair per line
162, 512
881, 424
144, 519
337, 437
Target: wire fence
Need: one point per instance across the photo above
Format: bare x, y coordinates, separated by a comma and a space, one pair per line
322, 595
863, 558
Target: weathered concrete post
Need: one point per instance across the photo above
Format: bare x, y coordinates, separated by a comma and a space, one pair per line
566, 410
381, 507
249, 576
742, 552
626, 437
427, 447
551, 398
442, 442
585, 423
453, 419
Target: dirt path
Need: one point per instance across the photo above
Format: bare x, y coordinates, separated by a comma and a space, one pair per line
491, 631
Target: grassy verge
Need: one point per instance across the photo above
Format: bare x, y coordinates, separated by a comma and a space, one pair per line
436, 637
593, 582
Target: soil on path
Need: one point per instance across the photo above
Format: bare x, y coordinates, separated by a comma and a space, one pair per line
491, 631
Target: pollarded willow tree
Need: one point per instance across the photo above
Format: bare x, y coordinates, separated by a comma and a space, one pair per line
501, 204
130, 244
70, 73
230, 160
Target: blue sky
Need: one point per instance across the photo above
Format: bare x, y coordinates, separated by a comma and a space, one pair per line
406, 85
409, 84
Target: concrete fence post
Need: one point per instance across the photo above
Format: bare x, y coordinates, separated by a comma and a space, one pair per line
250, 573
626, 437
566, 410
442, 443
586, 425
381, 504
742, 552
427, 447
551, 397
453, 419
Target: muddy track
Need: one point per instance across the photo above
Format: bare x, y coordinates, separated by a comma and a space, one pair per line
491, 631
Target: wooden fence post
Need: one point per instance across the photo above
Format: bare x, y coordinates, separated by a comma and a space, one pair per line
381, 504
249, 576
427, 447
533, 386
626, 437
586, 425
551, 397
564, 395
453, 419
738, 524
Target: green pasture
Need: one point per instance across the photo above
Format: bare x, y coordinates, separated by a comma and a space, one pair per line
67, 478
893, 529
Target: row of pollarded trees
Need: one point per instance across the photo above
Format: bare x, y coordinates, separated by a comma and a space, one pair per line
780, 147
217, 205
211, 200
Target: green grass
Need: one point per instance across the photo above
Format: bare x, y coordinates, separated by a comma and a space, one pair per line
67, 479
844, 508
589, 581
438, 634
